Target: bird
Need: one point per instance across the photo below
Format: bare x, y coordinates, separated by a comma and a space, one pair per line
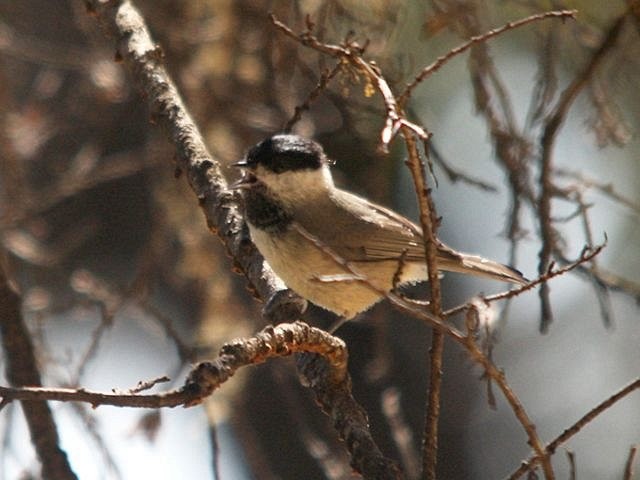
335, 249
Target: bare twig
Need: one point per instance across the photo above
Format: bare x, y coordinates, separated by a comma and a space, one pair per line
440, 61
458, 175
628, 469
148, 384
351, 53
584, 182
325, 78
572, 465
586, 256
600, 288
547, 142
429, 222
498, 376
401, 432
576, 427
593, 413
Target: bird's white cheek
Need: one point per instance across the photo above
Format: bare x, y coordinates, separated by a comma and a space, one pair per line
297, 187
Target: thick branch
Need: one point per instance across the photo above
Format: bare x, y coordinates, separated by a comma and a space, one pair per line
143, 58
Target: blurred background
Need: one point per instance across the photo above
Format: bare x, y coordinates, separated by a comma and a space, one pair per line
121, 281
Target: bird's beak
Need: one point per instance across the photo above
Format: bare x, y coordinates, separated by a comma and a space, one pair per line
246, 180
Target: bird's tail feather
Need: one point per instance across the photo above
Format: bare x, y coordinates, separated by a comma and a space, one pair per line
475, 265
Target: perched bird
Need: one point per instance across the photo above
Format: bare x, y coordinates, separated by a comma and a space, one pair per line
335, 249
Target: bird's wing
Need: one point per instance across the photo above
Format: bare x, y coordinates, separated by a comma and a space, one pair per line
376, 233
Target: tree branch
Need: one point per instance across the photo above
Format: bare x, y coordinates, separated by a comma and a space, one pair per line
476, 39
547, 141
527, 465
325, 372
144, 60
21, 369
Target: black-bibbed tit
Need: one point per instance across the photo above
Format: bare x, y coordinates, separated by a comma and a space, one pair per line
333, 248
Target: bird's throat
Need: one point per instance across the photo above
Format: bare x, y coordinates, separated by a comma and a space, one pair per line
265, 211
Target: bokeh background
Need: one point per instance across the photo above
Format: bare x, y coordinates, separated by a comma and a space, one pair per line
121, 281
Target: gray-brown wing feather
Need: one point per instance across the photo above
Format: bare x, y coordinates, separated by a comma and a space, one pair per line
382, 233
375, 234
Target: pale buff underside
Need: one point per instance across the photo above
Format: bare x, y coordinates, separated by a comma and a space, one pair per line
315, 275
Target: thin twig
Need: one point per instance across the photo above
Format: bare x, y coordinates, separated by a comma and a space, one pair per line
527, 465
592, 414
148, 384
547, 141
586, 256
324, 80
458, 175
440, 61
585, 182
429, 223
628, 469
351, 53
572, 465
600, 288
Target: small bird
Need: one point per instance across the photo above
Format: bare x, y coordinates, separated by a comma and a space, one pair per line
333, 248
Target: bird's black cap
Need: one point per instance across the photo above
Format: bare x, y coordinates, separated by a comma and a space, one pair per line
284, 152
